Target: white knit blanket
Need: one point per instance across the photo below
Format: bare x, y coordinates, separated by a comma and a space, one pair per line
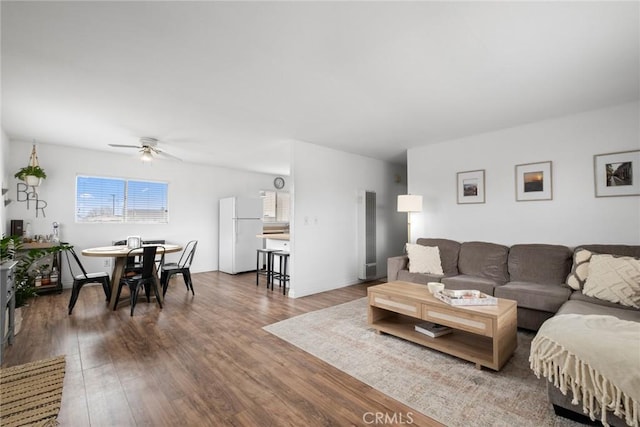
597, 358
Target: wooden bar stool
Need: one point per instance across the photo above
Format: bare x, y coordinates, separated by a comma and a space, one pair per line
264, 265
281, 275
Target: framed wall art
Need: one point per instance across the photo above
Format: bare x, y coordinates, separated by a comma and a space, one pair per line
617, 174
471, 187
533, 182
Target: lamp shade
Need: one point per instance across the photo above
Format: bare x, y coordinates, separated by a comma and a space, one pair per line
409, 203
146, 156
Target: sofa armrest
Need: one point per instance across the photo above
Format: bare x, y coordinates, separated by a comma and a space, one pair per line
394, 265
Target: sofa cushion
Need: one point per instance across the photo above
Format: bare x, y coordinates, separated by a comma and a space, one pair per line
580, 269
535, 296
579, 296
464, 282
395, 265
424, 259
539, 263
583, 307
582, 256
449, 250
482, 259
614, 279
624, 250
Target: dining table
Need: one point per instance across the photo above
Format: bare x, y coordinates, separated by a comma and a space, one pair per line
119, 254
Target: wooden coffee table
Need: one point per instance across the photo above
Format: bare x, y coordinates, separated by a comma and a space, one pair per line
485, 335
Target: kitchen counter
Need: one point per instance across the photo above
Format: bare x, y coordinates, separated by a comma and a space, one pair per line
274, 236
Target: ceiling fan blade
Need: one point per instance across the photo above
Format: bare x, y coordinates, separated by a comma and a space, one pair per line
165, 154
147, 148
124, 146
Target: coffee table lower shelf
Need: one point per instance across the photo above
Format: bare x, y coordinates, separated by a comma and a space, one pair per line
464, 345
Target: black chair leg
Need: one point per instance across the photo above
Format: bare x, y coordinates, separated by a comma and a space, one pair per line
157, 292
147, 291
257, 268
164, 282
133, 297
74, 296
286, 277
167, 280
186, 274
106, 287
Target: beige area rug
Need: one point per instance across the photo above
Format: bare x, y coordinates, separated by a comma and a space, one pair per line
443, 387
31, 394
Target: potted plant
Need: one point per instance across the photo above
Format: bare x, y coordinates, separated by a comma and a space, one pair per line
28, 268
8, 246
31, 175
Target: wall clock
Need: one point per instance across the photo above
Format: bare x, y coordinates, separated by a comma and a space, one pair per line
279, 183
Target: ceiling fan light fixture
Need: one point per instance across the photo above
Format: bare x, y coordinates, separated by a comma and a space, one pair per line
146, 156
147, 149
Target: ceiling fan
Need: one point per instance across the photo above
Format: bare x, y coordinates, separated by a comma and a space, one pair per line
148, 147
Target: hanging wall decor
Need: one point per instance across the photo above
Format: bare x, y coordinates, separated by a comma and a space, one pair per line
617, 174
32, 174
533, 181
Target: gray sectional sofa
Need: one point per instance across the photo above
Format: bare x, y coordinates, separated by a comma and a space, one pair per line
579, 303
531, 274
534, 275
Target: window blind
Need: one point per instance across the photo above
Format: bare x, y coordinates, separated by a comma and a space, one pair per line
116, 200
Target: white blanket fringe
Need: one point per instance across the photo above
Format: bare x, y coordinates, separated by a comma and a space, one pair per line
567, 371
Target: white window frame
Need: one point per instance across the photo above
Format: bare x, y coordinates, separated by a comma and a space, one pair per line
127, 215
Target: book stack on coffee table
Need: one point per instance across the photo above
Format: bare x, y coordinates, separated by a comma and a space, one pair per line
432, 330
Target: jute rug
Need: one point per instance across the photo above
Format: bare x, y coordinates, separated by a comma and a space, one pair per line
30, 394
448, 389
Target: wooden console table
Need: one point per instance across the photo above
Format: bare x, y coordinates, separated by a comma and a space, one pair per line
51, 287
485, 335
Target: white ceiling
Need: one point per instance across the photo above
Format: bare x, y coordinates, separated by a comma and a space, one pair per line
233, 83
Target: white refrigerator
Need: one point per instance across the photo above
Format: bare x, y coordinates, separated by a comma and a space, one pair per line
240, 223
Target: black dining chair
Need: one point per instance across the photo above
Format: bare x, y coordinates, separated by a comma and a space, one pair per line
146, 278
134, 264
183, 266
84, 278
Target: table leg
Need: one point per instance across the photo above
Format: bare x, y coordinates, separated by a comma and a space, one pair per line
118, 269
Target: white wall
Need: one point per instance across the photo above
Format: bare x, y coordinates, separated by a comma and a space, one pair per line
325, 190
574, 216
194, 191
4, 177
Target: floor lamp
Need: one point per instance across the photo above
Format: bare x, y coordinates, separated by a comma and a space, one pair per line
409, 203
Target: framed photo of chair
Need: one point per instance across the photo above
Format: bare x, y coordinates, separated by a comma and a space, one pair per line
617, 174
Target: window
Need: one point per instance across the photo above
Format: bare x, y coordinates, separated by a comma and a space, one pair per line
119, 200
275, 206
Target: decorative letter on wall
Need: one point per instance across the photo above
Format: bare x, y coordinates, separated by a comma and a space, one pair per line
30, 197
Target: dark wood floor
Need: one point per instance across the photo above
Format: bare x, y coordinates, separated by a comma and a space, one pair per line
202, 360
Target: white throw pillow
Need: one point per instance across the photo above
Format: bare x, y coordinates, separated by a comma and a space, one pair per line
614, 279
424, 259
580, 269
